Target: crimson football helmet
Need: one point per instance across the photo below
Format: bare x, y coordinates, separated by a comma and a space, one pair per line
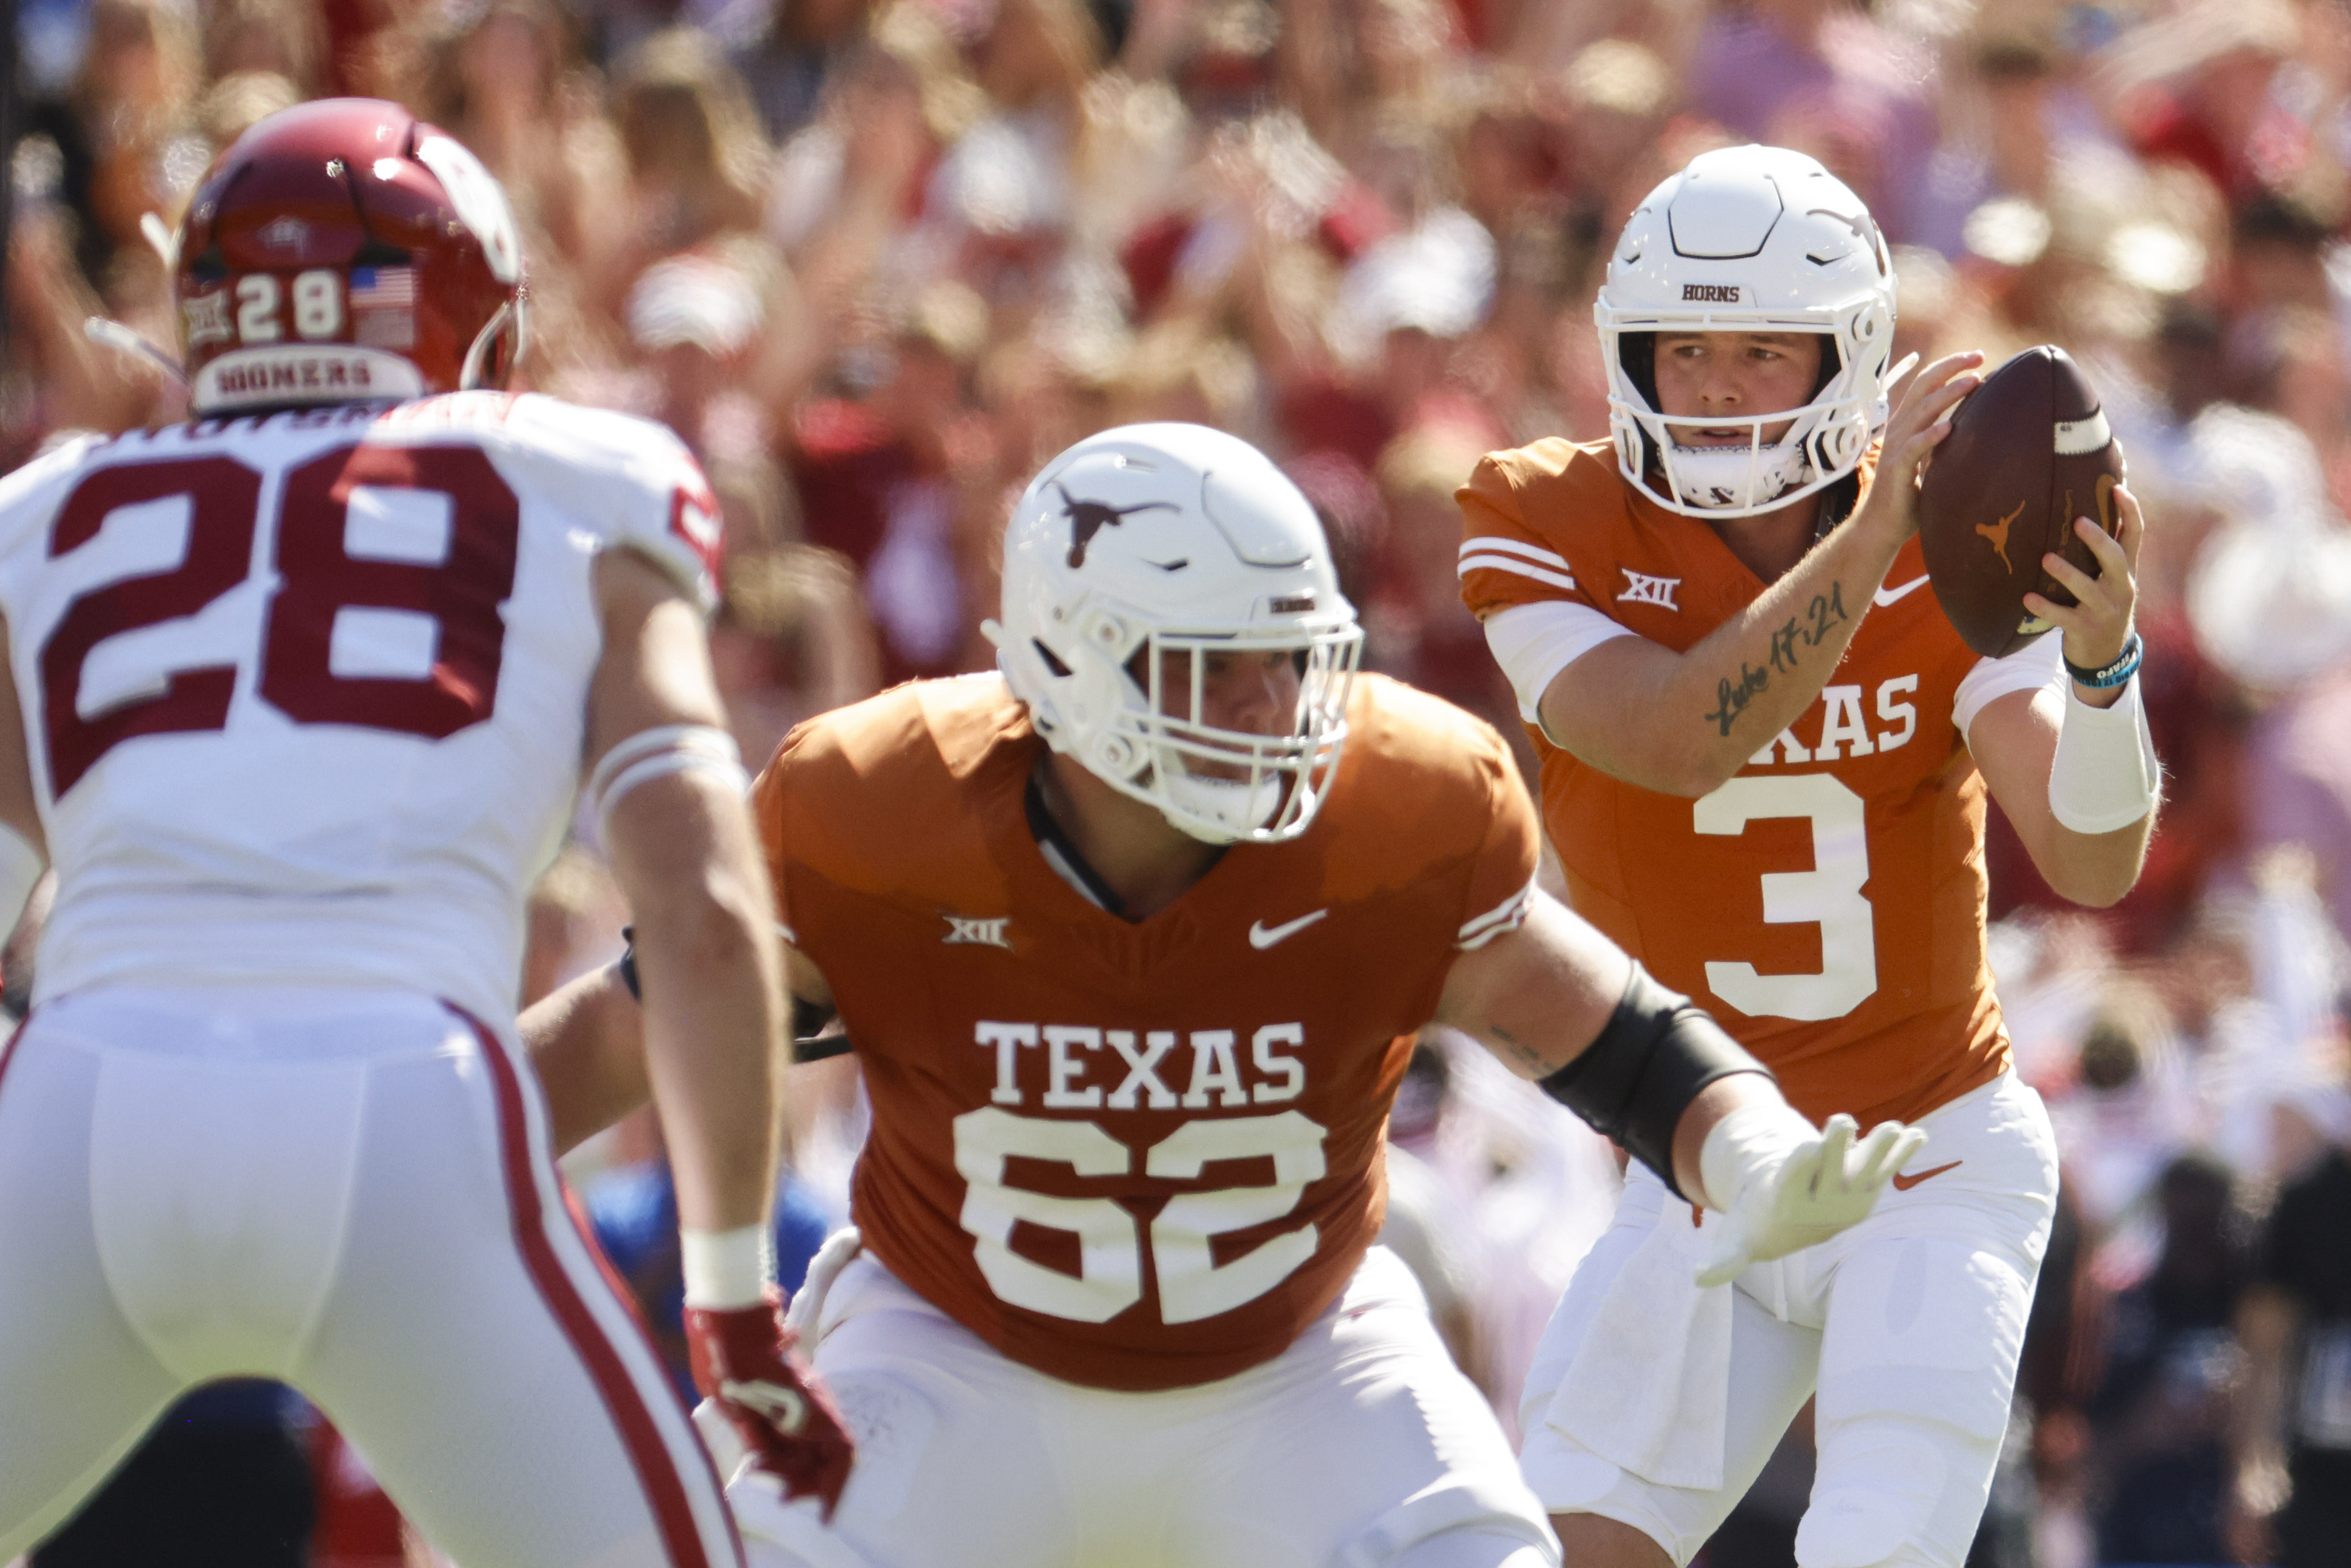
343, 250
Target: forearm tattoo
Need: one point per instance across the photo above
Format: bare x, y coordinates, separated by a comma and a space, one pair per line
1789, 640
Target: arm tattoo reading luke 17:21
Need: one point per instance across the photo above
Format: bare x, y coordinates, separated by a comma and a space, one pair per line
1799, 631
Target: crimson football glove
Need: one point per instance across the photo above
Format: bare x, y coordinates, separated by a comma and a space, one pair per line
744, 1361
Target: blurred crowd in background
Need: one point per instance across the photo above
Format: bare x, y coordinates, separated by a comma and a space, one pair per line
876, 261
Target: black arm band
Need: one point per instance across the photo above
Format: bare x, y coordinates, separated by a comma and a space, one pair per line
1648, 1063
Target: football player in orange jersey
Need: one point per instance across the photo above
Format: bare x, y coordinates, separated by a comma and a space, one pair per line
1765, 755
1132, 938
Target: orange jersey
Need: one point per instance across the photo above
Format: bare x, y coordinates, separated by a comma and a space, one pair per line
1135, 1155
1826, 904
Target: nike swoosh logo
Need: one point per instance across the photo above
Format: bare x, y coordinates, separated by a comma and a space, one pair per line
1262, 935
1890, 595
1905, 1183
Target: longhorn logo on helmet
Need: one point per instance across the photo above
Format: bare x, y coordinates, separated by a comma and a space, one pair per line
1088, 518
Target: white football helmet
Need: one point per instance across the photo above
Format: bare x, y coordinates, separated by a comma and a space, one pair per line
1158, 539
1749, 240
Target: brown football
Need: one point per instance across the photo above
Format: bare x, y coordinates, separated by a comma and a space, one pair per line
2029, 452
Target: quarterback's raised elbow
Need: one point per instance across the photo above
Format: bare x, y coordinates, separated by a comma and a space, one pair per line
2099, 891
1703, 775
2103, 876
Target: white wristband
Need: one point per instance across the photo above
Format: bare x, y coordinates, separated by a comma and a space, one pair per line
2105, 776
20, 870
1755, 1137
724, 1270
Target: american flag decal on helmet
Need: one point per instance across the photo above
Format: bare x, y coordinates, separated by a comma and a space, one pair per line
383, 289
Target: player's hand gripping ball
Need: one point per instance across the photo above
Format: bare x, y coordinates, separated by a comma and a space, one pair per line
2029, 452
744, 1361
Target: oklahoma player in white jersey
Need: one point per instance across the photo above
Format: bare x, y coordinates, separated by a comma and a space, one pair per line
297, 698
1132, 939
1765, 756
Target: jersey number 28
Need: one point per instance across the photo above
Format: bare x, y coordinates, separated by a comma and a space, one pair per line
317, 578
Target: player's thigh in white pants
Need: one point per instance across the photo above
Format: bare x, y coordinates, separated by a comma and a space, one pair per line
1909, 1325
351, 1192
1359, 1446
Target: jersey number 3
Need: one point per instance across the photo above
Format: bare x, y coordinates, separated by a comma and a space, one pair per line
318, 578
1829, 895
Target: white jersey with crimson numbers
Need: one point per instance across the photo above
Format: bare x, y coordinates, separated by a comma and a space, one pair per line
305, 691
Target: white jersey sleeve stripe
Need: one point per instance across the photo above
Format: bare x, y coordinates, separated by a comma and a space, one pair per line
1504, 563
1508, 915
1496, 542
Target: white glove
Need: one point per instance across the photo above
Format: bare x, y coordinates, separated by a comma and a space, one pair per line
1781, 1185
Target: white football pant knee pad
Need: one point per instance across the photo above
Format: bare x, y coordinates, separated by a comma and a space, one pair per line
1909, 1497
1915, 1382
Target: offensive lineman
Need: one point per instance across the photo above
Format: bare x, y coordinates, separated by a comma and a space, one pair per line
1764, 759
305, 696
1132, 939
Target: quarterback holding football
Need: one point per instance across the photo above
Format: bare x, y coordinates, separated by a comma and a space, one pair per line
1765, 758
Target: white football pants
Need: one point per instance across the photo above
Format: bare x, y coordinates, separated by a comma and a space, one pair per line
350, 1191
1359, 1446
1909, 1325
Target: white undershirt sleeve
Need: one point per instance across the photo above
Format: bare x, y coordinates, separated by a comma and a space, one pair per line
2034, 667
1533, 643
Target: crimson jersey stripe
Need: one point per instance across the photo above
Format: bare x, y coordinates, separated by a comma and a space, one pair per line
655, 1466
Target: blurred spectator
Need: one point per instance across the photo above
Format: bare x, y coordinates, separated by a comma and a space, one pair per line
1821, 77
283, 38
503, 78
1415, 626
697, 160
878, 482
792, 641
792, 61
2292, 1491
2160, 1415
2298, 786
